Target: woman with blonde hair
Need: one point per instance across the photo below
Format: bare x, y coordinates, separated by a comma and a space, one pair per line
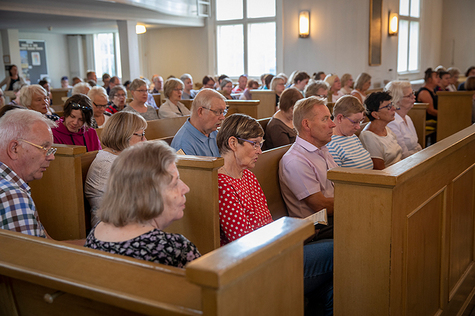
122, 130
277, 85
335, 85
402, 126
362, 84
144, 195
172, 107
346, 84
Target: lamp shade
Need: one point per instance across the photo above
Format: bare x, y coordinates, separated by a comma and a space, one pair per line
304, 24
393, 24
140, 29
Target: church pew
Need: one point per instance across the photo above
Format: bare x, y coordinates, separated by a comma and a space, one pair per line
454, 112
263, 122
418, 117
267, 172
58, 95
159, 128
249, 107
242, 278
404, 236
157, 98
267, 99
187, 103
59, 194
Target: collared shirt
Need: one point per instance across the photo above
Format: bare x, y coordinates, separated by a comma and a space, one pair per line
17, 209
193, 142
303, 172
406, 135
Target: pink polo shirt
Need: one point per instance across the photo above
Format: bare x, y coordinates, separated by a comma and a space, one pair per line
303, 172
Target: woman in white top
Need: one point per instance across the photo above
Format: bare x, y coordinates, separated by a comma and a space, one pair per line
376, 137
345, 146
122, 130
335, 85
172, 107
346, 84
402, 126
362, 84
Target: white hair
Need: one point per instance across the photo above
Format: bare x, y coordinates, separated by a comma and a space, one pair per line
16, 124
81, 88
27, 93
96, 92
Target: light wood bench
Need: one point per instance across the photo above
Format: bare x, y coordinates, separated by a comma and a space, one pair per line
58, 95
404, 236
454, 112
249, 107
243, 278
267, 104
157, 129
418, 117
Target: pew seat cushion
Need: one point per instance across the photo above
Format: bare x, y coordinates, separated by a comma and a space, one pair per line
242, 206
155, 246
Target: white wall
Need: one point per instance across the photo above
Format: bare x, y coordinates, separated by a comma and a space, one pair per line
175, 51
57, 57
458, 26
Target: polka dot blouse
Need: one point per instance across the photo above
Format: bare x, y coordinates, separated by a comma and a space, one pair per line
242, 206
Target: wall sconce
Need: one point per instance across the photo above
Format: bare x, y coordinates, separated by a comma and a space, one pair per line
304, 24
393, 24
140, 29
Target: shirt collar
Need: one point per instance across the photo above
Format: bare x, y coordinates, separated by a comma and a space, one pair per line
309, 146
199, 135
11, 176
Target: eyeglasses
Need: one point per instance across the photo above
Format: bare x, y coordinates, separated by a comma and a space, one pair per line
100, 105
142, 90
256, 145
218, 113
77, 106
412, 94
321, 96
389, 106
355, 123
120, 95
48, 152
142, 136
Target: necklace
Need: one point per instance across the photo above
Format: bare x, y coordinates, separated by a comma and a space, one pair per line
240, 175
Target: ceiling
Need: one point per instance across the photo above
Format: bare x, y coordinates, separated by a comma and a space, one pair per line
95, 16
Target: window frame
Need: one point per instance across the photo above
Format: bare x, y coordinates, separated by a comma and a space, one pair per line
410, 19
245, 21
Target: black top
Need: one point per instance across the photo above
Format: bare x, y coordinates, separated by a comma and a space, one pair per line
434, 101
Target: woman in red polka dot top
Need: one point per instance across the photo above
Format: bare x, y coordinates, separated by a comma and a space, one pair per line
243, 206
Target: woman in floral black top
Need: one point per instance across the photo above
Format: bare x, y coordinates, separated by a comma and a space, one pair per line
144, 195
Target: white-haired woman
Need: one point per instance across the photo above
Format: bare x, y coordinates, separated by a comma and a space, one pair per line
35, 98
100, 102
402, 126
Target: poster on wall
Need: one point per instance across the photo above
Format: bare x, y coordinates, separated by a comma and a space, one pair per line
33, 60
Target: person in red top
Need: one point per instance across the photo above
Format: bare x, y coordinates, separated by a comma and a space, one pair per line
243, 206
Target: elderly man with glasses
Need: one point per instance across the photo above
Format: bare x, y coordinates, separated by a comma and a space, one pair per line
198, 135
25, 153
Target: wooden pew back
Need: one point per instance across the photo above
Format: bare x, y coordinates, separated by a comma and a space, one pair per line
90, 282
250, 108
267, 102
454, 112
157, 129
418, 117
58, 95
267, 172
404, 236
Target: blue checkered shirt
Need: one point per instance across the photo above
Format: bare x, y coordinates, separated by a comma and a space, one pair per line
17, 209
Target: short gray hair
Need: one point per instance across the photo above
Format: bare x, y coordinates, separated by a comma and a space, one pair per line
27, 93
312, 88
204, 98
395, 89
186, 76
97, 91
137, 83
16, 124
81, 88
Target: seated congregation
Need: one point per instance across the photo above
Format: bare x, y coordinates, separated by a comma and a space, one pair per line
134, 187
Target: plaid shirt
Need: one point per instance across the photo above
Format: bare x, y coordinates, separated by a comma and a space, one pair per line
17, 209
111, 109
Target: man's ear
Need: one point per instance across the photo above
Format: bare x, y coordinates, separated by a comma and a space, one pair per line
13, 149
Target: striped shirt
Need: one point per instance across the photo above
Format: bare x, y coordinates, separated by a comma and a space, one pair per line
347, 151
17, 209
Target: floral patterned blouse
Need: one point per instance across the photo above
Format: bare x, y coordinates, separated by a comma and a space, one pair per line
155, 246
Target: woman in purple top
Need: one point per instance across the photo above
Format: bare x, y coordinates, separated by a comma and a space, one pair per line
74, 128
144, 195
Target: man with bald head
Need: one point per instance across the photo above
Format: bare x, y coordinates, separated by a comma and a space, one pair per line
25, 153
198, 135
